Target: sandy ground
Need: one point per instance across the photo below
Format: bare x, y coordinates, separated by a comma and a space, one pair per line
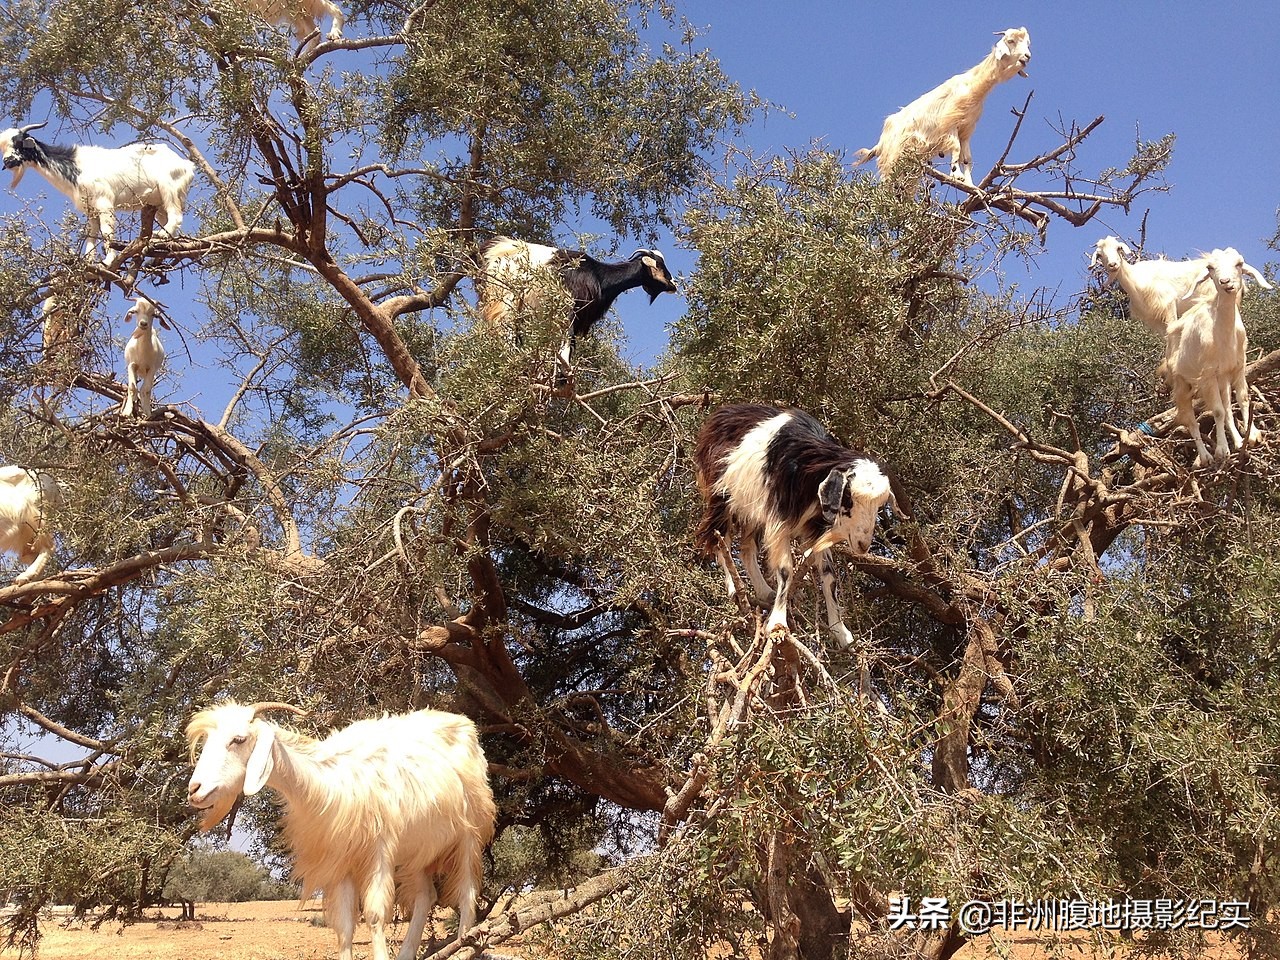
284, 930
266, 930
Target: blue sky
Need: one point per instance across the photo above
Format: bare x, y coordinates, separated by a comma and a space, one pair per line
841, 68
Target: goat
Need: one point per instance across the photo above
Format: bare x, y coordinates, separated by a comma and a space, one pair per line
303, 15
942, 121
143, 357
511, 271
25, 498
1159, 291
1205, 354
778, 475
102, 180
373, 813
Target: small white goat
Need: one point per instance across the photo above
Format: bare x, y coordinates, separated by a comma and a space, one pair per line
102, 180
942, 121
1205, 354
303, 15
373, 814
25, 497
143, 358
1159, 291
775, 474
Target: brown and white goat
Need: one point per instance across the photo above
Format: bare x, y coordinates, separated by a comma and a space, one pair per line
777, 475
375, 814
942, 121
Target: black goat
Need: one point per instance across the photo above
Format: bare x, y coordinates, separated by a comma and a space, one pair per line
509, 284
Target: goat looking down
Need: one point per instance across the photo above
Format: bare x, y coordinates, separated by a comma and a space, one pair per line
143, 357
25, 497
102, 180
1159, 291
1205, 353
511, 271
942, 121
375, 813
778, 475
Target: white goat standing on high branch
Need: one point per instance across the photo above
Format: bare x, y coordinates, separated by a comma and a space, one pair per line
102, 180
942, 121
1205, 353
143, 357
374, 814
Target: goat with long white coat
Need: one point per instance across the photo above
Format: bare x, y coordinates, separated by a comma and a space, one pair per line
1205, 354
515, 275
143, 357
1159, 291
942, 121
102, 180
302, 15
25, 498
776, 474
374, 813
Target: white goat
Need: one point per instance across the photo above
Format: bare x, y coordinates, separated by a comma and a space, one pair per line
942, 121
1205, 354
373, 814
102, 180
25, 497
303, 15
1159, 291
143, 358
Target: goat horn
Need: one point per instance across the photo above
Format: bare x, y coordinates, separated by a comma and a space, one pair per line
265, 705
32, 126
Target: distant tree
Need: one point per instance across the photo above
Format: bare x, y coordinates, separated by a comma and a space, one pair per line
222, 876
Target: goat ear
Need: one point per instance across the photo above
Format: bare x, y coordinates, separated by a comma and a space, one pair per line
1093, 258
1204, 275
1124, 248
1253, 272
258, 769
831, 495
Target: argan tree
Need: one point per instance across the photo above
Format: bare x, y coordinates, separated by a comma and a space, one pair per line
356, 498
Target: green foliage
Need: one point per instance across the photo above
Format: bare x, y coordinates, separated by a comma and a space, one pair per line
223, 876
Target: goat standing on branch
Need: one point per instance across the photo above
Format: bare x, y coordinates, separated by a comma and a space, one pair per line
373, 814
777, 475
25, 497
303, 15
942, 121
1159, 291
511, 270
143, 358
102, 180
1205, 354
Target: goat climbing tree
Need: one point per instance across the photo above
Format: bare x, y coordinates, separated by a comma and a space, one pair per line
357, 501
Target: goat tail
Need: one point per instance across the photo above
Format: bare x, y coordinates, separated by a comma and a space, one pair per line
715, 526
865, 154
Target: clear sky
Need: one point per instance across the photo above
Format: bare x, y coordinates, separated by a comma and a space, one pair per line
1208, 72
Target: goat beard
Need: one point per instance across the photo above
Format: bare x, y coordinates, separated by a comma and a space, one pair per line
212, 816
18, 171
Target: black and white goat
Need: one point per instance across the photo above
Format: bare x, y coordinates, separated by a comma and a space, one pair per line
102, 180
777, 475
512, 271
